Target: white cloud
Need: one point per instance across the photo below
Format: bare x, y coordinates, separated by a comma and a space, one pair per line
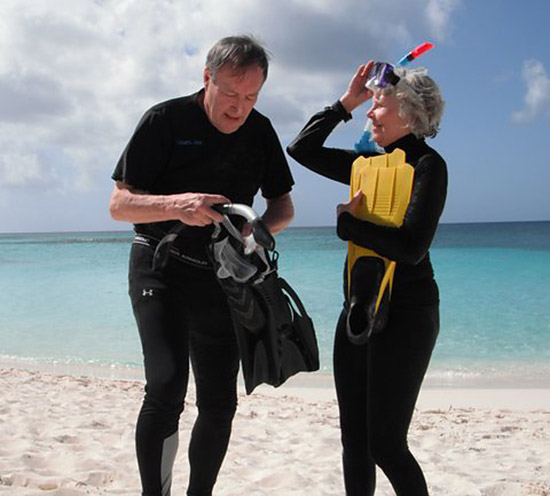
75, 76
31, 96
537, 95
439, 16
22, 169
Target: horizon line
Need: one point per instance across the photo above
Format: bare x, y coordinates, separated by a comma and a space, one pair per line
330, 226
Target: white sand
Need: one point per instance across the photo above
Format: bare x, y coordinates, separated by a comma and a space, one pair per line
72, 436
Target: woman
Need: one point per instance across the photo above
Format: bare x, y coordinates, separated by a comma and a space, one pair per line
377, 383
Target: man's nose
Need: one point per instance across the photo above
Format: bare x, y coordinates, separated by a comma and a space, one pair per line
237, 106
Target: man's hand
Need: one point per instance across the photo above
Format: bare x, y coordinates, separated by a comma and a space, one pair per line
132, 205
194, 209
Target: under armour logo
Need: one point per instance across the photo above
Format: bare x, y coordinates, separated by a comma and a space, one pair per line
147, 292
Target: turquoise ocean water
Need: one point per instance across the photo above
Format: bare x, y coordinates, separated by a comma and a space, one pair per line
64, 304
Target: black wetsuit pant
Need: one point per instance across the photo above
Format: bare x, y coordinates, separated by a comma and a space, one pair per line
377, 387
182, 314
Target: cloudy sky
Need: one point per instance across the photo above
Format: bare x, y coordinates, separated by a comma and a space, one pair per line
76, 75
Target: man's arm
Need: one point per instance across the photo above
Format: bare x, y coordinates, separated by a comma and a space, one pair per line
136, 206
279, 213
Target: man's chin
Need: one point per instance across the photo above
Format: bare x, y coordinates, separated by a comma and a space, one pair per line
230, 127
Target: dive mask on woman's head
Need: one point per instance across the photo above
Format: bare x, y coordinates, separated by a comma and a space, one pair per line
382, 75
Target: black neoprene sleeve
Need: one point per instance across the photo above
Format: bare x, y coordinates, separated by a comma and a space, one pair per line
307, 148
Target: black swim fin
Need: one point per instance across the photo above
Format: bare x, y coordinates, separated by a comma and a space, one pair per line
363, 318
285, 345
275, 335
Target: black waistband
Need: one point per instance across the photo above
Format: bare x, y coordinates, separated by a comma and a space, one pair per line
175, 253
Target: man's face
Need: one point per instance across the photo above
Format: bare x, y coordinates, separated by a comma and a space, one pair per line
229, 96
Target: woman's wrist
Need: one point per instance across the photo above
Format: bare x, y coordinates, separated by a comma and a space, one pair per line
348, 102
341, 222
344, 114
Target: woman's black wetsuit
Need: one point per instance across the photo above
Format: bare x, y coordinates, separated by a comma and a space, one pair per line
378, 383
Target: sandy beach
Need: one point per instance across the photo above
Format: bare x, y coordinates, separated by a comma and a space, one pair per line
72, 436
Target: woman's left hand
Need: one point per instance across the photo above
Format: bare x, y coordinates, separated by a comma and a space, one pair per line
352, 206
357, 93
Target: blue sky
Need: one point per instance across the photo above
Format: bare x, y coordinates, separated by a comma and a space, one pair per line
75, 79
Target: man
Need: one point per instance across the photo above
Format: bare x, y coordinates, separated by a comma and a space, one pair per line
186, 155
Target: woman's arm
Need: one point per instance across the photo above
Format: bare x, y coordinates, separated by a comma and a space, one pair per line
307, 148
410, 242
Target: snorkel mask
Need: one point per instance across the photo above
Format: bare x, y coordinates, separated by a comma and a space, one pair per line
382, 74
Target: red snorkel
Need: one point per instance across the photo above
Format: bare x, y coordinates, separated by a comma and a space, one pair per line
414, 54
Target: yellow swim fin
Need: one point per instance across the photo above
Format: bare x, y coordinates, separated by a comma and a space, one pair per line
386, 182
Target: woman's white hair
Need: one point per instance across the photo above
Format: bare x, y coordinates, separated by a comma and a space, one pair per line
419, 100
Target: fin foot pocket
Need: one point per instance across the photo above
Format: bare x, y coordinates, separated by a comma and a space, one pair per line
364, 318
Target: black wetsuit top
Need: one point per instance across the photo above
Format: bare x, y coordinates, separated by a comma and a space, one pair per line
408, 245
175, 149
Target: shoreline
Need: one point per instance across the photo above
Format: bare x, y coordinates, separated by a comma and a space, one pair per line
488, 375
319, 387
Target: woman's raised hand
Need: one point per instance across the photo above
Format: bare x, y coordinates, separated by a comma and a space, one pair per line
357, 93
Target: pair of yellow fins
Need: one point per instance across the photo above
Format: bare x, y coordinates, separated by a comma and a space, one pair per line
386, 183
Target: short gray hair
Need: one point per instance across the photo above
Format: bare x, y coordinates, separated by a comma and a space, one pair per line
239, 53
419, 101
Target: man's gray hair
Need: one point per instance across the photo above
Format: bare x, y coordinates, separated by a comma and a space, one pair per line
239, 53
419, 101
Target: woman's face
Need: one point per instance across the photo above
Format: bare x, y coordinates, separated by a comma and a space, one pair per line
387, 125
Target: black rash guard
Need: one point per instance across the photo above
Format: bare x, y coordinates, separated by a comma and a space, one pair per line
175, 149
408, 245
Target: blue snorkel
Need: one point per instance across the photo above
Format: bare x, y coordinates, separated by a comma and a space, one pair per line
365, 143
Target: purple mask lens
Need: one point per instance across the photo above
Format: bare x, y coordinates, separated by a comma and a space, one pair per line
381, 75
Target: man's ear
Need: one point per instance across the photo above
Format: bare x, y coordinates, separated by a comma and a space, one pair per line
206, 77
